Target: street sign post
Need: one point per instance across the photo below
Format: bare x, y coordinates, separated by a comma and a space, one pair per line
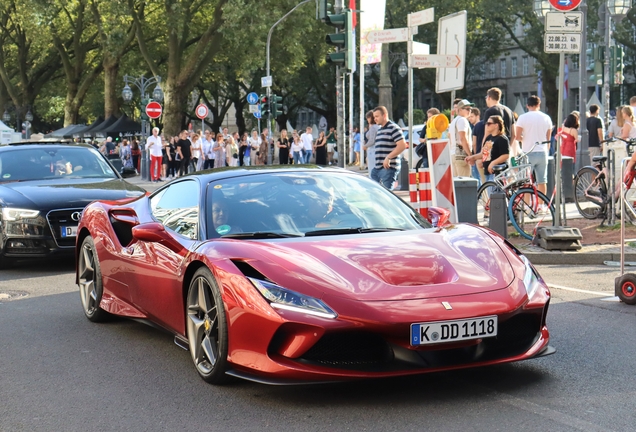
565, 5
388, 36
564, 22
435, 61
562, 43
252, 98
154, 110
451, 39
255, 108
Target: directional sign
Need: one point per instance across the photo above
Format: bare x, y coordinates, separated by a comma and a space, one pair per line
266, 81
564, 22
422, 17
421, 48
435, 61
201, 111
257, 114
252, 98
154, 110
255, 108
565, 5
451, 39
562, 43
388, 36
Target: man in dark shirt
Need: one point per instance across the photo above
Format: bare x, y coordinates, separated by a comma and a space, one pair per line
477, 170
493, 96
184, 151
595, 131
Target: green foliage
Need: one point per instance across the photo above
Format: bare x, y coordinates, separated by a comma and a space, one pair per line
418, 117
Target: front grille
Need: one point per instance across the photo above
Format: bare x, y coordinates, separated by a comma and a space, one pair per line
62, 218
25, 246
355, 350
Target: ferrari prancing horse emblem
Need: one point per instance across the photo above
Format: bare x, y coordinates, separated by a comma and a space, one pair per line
447, 306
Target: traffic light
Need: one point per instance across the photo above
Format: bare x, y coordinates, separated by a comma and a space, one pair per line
345, 56
265, 108
616, 65
277, 108
599, 62
323, 10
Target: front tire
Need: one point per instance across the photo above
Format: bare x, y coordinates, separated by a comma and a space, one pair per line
207, 327
526, 209
90, 282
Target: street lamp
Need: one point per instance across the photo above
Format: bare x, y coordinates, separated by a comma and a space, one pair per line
618, 8
402, 70
143, 84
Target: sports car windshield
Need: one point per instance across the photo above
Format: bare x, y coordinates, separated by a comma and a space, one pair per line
21, 164
299, 204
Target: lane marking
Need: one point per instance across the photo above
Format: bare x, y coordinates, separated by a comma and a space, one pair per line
596, 293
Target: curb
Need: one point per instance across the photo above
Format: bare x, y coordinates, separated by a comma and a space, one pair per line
588, 255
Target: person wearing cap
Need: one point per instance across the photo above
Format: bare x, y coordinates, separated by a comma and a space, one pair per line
461, 139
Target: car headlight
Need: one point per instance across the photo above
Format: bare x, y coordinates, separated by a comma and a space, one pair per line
14, 214
282, 298
530, 278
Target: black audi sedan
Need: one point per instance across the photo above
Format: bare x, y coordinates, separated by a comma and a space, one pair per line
44, 187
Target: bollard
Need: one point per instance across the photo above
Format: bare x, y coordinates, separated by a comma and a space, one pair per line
466, 199
403, 175
498, 221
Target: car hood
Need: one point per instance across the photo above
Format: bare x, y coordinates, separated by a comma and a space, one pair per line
64, 193
383, 266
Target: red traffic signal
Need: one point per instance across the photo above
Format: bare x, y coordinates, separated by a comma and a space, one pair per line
264, 100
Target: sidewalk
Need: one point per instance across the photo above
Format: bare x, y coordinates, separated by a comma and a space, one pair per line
589, 254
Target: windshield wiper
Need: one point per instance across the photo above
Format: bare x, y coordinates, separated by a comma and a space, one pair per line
359, 230
260, 235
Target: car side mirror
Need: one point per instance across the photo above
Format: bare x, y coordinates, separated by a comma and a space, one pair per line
438, 216
154, 232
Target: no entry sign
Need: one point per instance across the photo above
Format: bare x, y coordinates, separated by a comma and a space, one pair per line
565, 5
154, 110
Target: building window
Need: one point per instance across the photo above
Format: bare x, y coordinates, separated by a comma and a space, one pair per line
492, 70
503, 68
513, 66
524, 65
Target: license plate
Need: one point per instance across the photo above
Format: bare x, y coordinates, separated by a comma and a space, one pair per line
453, 331
70, 231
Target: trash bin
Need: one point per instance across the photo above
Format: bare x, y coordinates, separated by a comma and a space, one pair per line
466, 199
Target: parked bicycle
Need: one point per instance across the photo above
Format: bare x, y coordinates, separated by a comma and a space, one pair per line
526, 205
591, 195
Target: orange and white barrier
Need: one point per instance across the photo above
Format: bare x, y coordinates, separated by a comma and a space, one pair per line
443, 186
420, 190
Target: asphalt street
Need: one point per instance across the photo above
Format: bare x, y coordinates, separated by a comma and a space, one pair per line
59, 372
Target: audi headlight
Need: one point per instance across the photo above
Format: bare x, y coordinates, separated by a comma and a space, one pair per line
14, 214
282, 298
530, 278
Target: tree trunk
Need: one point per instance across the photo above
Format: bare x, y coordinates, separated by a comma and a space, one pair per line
551, 94
240, 118
71, 109
175, 100
111, 71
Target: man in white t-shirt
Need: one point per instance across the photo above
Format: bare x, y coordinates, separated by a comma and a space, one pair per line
307, 139
535, 127
461, 139
154, 146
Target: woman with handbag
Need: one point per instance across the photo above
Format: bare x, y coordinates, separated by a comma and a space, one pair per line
231, 152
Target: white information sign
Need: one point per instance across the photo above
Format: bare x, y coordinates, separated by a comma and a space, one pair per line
388, 36
451, 39
564, 22
421, 48
563, 43
422, 17
435, 61
254, 108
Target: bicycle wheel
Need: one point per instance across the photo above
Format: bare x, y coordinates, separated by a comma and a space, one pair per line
483, 202
589, 193
527, 209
